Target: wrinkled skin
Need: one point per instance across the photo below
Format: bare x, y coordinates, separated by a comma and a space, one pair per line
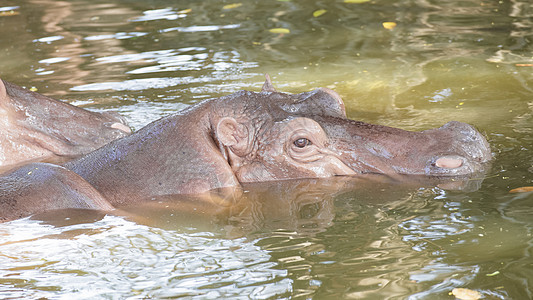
37, 128
255, 137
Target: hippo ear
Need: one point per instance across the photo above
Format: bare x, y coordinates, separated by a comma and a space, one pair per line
232, 134
337, 105
268, 86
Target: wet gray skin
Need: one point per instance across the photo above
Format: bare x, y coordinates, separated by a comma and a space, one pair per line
300, 142
35, 127
255, 137
247, 137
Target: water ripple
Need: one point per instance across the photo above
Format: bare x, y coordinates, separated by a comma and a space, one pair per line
224, 65
118, 36
114, 258
159, 14
201, 28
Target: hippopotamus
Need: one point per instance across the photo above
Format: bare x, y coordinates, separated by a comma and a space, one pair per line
221, 143
34, 127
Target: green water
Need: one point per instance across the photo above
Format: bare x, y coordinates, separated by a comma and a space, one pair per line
469, 61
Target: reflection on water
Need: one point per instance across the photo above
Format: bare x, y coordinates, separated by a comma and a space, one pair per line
326, 238
222, 66
467, 60
114, 258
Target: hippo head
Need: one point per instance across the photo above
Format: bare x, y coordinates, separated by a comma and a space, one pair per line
36, 127
272, 136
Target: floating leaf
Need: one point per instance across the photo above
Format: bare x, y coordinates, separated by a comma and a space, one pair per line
524, 65
356, 1
185, 11
493, 274
318, 13
230, 6
280, 30
389, 25
466, 294
523, 189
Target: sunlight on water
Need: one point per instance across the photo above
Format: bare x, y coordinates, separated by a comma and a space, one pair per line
118, 36
159, 14
223, 65
468, 61
115, 258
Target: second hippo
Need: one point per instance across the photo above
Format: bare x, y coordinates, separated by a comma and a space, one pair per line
35, 127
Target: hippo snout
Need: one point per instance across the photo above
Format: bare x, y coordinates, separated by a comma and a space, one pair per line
473, 142
454, 149
467, 151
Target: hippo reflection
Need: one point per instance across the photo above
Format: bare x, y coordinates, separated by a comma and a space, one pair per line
244, 137
33, 126
307, 206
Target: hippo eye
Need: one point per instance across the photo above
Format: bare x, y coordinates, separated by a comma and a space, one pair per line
302, 142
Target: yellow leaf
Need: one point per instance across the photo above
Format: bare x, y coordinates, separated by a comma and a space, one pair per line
230, 6
185, 11
356, 1
466, 294
280, 30
523, 189
33, 89
389, 25
318, 13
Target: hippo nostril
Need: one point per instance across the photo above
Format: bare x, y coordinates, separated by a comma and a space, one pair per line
449, 162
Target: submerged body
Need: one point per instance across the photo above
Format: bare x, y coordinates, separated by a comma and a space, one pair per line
35, 127
255, 137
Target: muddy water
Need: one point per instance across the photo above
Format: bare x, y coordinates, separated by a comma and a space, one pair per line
469, 61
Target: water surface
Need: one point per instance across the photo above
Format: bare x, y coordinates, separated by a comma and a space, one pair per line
469, 61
